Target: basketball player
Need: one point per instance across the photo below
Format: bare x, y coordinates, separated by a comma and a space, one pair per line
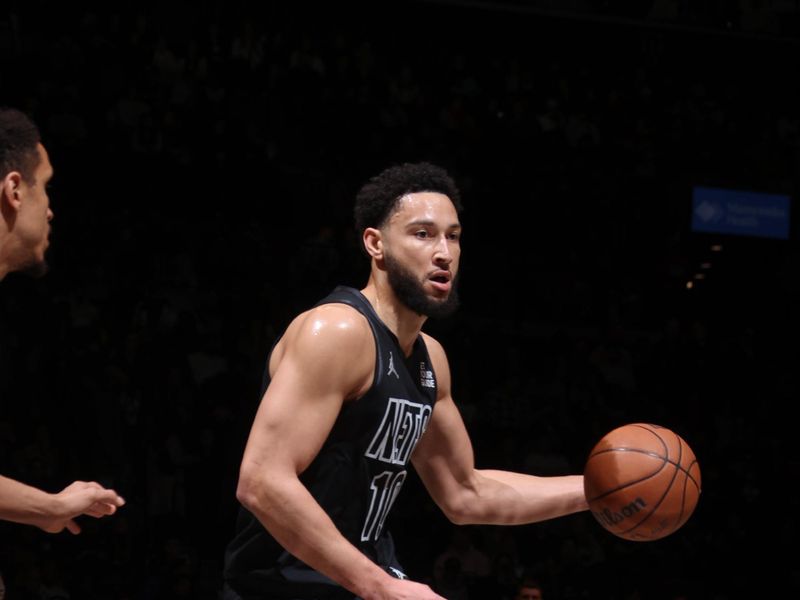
25, 216
355, 392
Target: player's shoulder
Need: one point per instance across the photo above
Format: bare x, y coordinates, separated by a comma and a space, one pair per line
334, 323
430, 341
331, 344
337, 314
435, 349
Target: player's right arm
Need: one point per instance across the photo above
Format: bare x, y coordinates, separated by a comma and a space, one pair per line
325, 359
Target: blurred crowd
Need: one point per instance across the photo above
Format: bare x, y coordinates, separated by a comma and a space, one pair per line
206, 159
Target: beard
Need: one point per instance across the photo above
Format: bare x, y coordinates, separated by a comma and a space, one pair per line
36, 270
411, 292
34, 266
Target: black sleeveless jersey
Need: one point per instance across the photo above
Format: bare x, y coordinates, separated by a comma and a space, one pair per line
356, 476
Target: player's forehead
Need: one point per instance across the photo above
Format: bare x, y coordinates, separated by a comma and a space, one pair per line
433, 207
44, 170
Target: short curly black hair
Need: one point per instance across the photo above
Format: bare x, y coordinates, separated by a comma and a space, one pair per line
19, 138
377, 199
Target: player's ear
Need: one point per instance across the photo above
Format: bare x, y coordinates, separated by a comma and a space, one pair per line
10, 191
373, 242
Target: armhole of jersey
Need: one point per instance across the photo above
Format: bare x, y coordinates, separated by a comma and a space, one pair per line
426, 353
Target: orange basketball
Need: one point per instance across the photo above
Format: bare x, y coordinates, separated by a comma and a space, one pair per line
642, 481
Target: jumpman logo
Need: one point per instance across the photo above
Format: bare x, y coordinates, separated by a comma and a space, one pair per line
398, 573
391, 367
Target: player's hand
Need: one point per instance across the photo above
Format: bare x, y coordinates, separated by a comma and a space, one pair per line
80, 498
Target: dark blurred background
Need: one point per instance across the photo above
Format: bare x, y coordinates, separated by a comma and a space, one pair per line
206, 159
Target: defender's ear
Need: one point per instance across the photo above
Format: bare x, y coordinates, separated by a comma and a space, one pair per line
373, 242
9, 190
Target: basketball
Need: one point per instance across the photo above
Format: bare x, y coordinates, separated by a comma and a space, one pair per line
642, 482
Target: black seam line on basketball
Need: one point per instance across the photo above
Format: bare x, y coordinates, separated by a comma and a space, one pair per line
689, 475
650, 428
683, 491
685, 514
664, 459
681, 518
647, 428
678, 469
663, 496
664, 445
625, 449
664, 462
635, 482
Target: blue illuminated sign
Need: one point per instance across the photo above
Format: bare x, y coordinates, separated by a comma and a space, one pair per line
737, 212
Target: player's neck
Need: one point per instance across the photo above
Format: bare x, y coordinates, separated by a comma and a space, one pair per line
404, 323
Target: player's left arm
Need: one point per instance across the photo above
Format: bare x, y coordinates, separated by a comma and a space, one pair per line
22, 503
445, 462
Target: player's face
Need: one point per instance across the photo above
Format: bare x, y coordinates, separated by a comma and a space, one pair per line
33, 220
422, 253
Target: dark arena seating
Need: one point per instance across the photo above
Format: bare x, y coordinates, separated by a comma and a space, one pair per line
206, 160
